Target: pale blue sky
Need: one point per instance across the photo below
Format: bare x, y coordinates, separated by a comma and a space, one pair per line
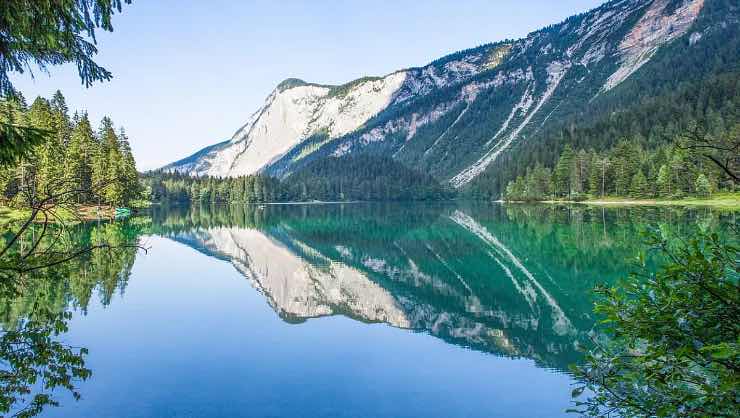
188, 73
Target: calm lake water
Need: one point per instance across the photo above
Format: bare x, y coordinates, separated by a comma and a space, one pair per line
356, 310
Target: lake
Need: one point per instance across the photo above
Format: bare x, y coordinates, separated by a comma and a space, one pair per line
345, 310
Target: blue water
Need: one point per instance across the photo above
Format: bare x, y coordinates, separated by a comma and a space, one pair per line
347, 310
191, 338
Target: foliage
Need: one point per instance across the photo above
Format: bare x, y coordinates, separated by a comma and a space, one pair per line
16, 138
182, 188
46, 33
363, 177
70, 166
682, 85
626, 170
675, 337
34, 358
702, 186
722, 150
100, 166
46, 162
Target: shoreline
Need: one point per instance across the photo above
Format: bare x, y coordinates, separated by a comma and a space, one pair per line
80, 213
729, 201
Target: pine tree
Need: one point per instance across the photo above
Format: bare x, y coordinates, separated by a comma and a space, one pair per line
128, 173
44, 165
580, 172
663, 182
195, 192
626, 156
257, 190
595, 176
107, 165
702, 186
639, 186
60, 118
679, 177
563, 172
78, 159
516, 190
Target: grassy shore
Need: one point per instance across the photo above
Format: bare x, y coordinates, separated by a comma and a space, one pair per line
9, 215
80, 213
722, 200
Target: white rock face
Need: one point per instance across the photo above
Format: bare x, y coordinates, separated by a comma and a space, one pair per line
654, 29
296, 111
291, 115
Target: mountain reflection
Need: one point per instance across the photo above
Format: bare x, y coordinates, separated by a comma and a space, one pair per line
510, 280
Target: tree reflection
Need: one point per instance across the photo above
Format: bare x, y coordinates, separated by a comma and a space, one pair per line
37, 302
514, 280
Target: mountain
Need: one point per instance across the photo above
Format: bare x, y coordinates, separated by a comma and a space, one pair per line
477, 111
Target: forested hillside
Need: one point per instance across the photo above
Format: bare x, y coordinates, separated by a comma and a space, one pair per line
642, 151
695, 81
626, 170
75, 159
637, 71
178, 188
362, 177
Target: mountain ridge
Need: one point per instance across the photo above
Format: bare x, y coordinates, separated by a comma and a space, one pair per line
457, 115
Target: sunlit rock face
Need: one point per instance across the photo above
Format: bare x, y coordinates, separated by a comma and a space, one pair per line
456, 116
654, 29
293, 112
498, 306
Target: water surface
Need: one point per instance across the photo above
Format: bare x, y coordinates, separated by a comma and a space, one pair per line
357, 310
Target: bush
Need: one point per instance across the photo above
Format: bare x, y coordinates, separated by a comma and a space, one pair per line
673, 338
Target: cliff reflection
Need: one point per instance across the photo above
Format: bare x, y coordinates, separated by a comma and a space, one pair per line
510, 280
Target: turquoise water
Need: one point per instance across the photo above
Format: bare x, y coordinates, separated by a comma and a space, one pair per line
357, 310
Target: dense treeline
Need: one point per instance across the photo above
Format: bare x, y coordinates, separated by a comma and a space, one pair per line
626, 170
362, 177
183, 188
98, 166
653, 125
678, 87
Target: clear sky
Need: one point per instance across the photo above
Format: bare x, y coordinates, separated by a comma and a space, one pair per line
188, 73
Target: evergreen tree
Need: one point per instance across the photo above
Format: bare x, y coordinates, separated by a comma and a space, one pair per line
702, 186
563, 171
639, 186
678, 175
625, 170
625, 157
70, 158
78, 167
663, 182
127, 169
579, 177
45, 162
60, 118
107, 178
